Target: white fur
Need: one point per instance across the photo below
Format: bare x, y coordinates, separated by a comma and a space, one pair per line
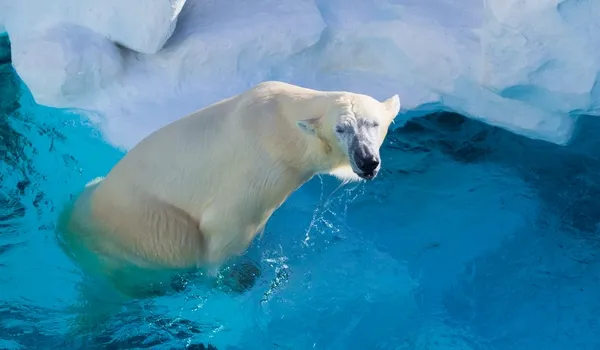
198, 190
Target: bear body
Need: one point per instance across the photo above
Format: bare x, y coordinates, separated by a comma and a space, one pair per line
197, 191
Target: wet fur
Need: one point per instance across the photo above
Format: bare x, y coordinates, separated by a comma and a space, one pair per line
196, 192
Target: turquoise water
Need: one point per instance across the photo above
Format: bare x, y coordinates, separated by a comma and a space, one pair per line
471, 238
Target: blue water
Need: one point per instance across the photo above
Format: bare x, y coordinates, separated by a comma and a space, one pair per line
471, 238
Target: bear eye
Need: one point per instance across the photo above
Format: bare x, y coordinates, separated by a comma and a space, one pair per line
339, 129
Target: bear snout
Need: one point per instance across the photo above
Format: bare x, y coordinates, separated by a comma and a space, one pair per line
367, 163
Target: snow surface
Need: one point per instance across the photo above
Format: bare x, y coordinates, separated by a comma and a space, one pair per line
528, 66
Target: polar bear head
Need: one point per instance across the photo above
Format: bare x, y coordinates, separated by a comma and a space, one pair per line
353, 129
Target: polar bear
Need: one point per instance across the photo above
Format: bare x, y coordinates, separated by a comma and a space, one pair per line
197, 191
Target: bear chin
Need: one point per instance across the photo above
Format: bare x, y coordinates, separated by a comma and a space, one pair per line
346, 174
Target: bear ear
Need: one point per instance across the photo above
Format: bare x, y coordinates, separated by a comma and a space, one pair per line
310, 125
392, 104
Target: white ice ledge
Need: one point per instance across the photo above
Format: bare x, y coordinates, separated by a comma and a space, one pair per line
527, 66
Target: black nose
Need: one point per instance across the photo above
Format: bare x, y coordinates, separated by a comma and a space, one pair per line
368, 164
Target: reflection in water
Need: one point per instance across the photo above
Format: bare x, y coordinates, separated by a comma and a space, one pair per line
566, 178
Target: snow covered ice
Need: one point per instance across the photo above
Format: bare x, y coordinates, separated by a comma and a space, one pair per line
528, 66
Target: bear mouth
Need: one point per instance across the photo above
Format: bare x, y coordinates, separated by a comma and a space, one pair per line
367, 175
